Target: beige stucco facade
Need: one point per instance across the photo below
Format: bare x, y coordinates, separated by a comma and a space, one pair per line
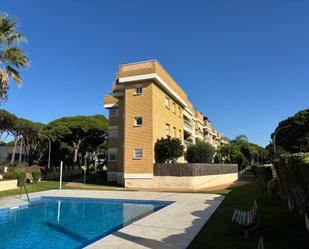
147, 104
182, 182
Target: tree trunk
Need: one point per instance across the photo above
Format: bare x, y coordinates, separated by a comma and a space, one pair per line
307, 221
14, 151
75, 155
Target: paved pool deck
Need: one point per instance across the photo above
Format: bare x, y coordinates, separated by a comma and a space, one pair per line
174, 226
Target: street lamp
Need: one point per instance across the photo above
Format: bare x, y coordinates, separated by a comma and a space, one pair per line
49, 149
281, 128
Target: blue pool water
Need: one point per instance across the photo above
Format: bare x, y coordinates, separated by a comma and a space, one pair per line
54, 222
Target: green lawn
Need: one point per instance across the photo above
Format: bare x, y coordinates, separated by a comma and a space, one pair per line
280, 227
47, 185
34, 187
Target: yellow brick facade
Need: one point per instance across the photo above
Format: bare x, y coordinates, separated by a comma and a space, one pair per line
164, 109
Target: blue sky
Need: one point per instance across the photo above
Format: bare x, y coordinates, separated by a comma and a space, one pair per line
244, 64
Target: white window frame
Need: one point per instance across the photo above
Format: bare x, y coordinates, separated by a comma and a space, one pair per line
135, 121
167, 102
113, 131
174, 107
135, 154
167, 129
136, 92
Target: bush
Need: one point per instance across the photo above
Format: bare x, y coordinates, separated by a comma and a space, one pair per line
19, 175
273, 188
293, 173
263, 175
230, 153
168, 149
36, 174
200, 152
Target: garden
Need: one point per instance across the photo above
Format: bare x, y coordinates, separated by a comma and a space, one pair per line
281, 191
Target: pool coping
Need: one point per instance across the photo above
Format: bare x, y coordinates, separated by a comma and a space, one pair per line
173, 226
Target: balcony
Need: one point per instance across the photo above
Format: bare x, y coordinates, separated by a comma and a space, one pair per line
188, 125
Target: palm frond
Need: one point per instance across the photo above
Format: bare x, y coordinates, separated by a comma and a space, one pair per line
14, 56
14, 74
8, 35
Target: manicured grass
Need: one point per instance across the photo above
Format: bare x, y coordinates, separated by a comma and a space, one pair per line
33, 187
280, 227
47, 185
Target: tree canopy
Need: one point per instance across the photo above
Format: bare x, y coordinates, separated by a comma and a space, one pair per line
72, 138
201, 152
242, 152
168, 149
73, 132
293, 133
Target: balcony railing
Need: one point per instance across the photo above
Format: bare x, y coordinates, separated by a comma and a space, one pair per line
188, 124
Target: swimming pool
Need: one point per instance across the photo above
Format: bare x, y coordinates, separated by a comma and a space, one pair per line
62, 222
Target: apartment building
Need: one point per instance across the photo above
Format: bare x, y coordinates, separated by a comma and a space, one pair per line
146, 104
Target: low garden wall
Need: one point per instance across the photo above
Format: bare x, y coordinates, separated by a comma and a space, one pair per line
8, 184
187, 176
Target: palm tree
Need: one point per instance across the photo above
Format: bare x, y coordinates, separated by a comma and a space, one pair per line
11, 57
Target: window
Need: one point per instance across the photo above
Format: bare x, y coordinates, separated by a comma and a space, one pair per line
113, 131
138, 121
174, 107
137, 153
167, 104
179, 111
138, 90
113, 112
112, 154
167, 129
175, 132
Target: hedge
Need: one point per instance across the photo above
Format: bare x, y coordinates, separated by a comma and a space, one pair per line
36, 174
263, 175
200, 152
293, 174
19, 175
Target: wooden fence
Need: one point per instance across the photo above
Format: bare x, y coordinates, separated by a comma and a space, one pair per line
193, 169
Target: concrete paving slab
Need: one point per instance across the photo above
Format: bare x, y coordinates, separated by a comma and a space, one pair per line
173, 226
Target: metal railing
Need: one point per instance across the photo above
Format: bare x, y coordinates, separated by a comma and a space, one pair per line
23, 184
188, 124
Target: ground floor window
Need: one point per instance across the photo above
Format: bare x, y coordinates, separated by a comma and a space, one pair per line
138, 153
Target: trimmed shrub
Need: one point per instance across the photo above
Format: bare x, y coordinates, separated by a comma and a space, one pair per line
168, 150
36, 174
19, 175
263, 175
200, 152
273, 188
293, 173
